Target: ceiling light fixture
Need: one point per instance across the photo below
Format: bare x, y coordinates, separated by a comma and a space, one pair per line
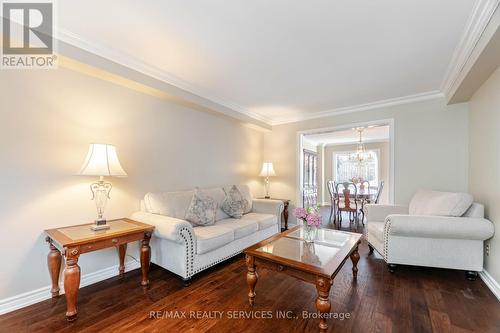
360, 155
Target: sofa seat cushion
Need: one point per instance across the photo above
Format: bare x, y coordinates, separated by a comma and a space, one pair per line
376, 229
264, 220
435, 203
240, 227
212, 237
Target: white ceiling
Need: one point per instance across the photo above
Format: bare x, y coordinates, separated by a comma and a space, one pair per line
280, 60
373, 134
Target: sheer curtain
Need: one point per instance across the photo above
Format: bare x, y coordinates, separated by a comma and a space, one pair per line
345, 168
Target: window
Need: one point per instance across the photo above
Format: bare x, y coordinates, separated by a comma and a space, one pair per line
345, 168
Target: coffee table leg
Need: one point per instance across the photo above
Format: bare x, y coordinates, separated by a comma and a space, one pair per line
145, 258
355, 259
252, 278
54, 262
71, 282
323, 304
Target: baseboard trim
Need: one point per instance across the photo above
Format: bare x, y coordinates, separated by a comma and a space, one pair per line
41, 294
491, 283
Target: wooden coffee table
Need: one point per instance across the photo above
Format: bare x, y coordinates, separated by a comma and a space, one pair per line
78, 239
317, 262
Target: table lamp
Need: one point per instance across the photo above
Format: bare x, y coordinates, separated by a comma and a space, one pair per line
101, 161
267, 171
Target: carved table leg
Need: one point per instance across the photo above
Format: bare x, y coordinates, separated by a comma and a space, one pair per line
145, 258
355, 259
71, 282
285, 215
54, 262
252, 278
122, 249
323, 304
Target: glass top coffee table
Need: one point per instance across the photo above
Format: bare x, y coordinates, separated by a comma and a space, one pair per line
317, 262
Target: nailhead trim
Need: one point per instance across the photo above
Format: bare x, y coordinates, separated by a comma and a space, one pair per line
216, 262
187, 236
387, 230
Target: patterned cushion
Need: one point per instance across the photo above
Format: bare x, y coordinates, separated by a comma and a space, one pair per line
234, 204
246, 194
202, 210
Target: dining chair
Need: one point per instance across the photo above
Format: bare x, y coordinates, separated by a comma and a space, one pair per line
345, 201
379, 192
364, 186
331, 189
370, 201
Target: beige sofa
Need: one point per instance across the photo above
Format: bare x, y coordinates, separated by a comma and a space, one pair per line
438, 229
186, 250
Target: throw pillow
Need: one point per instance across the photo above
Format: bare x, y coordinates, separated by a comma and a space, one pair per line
426, 202
234, 204
201, 210
245, 193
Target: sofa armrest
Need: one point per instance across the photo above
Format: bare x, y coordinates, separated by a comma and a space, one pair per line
439, 227
268, 206
166, 227
376, 212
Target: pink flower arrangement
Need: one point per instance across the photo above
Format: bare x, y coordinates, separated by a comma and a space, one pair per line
357, 180
300, 213
309, 216
314, 219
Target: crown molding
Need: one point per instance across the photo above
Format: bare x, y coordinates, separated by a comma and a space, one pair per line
463, 57
355, 142
435, 94
139, 66
135, 64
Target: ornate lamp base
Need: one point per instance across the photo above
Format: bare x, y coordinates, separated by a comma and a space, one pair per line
100, 193
267, 196
97, 227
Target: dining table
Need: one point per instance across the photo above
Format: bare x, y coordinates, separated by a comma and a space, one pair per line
365, 193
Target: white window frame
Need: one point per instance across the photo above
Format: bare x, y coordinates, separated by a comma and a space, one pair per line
334, 162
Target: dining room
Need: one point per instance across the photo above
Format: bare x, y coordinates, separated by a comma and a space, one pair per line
342, 169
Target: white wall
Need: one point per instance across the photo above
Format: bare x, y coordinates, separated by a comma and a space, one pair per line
484, 148
430, 147
48, 119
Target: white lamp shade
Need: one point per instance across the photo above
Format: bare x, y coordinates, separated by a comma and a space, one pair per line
267, 170
102, 160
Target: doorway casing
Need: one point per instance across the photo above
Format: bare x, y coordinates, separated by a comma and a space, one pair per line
381, 122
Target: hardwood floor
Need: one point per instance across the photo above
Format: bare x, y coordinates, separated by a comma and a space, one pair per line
413, 299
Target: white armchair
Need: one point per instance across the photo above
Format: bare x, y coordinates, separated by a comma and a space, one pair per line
415, 236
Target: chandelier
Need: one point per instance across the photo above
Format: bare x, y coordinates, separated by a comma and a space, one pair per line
360, 155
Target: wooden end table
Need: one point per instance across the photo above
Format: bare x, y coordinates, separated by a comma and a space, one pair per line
286, 203
317, 262
74, 240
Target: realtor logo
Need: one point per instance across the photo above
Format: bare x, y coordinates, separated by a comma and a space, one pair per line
27, 35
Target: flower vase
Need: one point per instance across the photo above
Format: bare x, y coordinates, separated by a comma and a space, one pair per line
309, 233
